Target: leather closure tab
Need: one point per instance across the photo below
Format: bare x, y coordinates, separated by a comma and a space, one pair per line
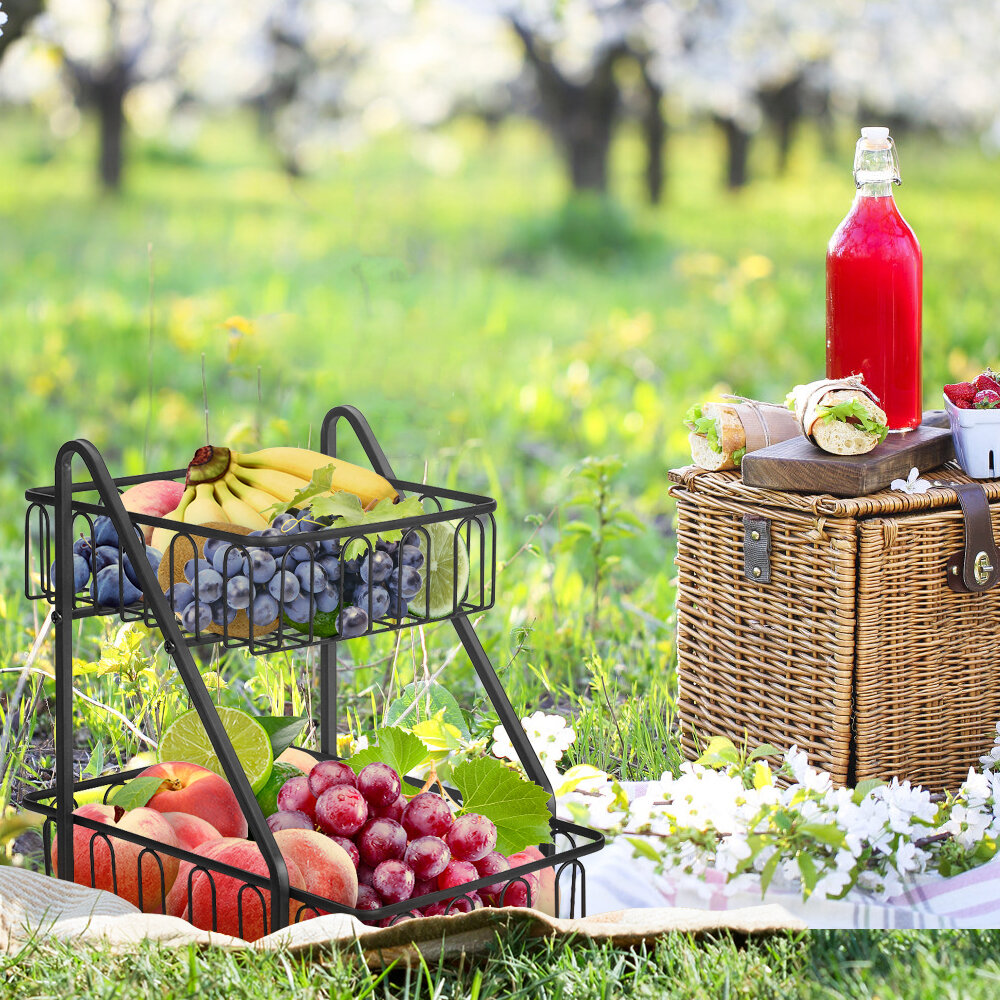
977, 567
757, 548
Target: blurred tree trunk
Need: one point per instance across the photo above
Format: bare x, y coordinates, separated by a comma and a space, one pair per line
737, 152
654, 133
19, 14
580, 115
782, 107
108, 90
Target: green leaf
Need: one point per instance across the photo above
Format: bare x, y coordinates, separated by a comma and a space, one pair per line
826, 833
135, 793
644, 847
281, 730
864, 788
321, 481
431, 699
517, 807
402, 751
807, 869
764, 750
853, 409
720, 751
770, 867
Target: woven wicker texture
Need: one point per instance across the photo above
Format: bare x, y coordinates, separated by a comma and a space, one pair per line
857, 628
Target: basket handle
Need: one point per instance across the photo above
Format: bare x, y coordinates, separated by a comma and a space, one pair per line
977, 567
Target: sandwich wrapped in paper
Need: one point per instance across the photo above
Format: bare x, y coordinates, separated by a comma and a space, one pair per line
841, 416
722, 433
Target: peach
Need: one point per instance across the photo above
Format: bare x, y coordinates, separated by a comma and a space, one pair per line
297, 758
177, 898
326, 866
126, 869
546, 901
191, 831
233, 898
157, 498
193, 789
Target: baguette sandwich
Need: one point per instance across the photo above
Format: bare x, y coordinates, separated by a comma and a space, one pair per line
722, 433
841, 416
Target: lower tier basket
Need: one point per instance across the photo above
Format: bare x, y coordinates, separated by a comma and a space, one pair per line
258, 896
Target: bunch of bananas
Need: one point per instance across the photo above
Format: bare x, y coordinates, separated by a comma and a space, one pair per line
227, 487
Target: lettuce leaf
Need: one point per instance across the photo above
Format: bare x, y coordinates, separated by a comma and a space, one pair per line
853, 408
703, 425
738, 456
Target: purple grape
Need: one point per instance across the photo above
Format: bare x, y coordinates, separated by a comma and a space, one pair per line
284, 586
381, 840
427, 856
239, 592
197, 616
264, 609
379, 784
311, 577
289, 819
351, 622
393, 881
262, 565
375, 567
471, 837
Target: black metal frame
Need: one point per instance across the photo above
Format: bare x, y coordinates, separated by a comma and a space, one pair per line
156, 610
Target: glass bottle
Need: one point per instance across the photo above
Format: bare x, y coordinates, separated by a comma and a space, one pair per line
874, 288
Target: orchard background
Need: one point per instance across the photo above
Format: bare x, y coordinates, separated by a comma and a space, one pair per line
523, 238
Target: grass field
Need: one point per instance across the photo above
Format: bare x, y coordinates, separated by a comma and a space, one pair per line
496, 338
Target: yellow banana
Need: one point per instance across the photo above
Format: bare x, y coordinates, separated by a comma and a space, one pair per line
238, 511
260, 500
280, 485
161, 536
204, 507
369, 486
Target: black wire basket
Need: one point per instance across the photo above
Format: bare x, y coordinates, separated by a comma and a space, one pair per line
56, 513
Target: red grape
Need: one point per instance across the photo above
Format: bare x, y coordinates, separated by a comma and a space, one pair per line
427, 856
471, 837
492, 864
381, 840
519, 894
427, 814
457, 873
328, 773
423, 886
341, 810
392, 811
460, 904
393, 881
365, 873
368, 899
400, 917
349, 846
379, 784
289, 819
295, 794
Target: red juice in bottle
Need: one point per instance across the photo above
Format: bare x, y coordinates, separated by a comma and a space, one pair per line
874, 288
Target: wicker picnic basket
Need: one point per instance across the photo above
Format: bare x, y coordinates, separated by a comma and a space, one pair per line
832, 624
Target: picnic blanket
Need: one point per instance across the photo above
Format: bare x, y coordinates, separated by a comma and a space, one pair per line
970, 900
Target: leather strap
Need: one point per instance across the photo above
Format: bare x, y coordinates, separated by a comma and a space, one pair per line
977, 567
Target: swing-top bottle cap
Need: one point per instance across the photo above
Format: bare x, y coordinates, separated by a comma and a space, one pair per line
875, 137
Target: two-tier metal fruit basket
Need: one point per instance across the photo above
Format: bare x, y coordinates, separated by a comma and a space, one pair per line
56, 514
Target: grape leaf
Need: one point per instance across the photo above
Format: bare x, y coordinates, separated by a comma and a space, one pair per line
518, 808
402, 751
281, 730
431, 699
135, 793
321, 481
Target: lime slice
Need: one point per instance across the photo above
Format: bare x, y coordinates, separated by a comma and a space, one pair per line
441, 571
187, 740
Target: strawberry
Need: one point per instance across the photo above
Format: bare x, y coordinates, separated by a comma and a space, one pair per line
986, 399
986, 381
961, 394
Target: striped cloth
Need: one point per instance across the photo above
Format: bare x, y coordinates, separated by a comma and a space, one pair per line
617, 880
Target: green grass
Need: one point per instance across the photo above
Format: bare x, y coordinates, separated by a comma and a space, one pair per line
496, 337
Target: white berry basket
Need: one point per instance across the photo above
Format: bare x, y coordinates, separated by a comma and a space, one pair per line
977, 440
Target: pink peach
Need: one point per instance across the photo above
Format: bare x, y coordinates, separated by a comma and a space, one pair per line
191, 831
327, 868
193, 789
157, 498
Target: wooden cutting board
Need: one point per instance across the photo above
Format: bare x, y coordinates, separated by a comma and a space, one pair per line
800, 466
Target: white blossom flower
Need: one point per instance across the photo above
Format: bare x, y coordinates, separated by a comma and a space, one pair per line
911, 484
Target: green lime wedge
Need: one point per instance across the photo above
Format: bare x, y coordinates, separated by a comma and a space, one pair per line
187, 740
442, 571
